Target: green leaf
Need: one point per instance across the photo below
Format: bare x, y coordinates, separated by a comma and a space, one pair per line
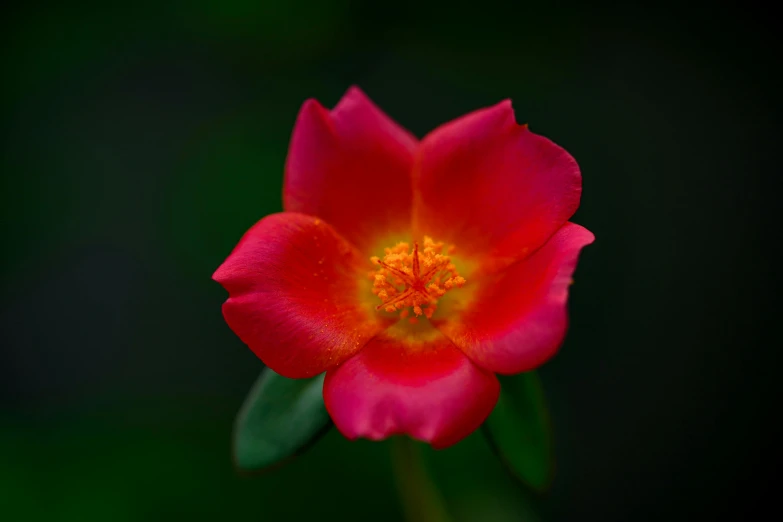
519, 431
279, 419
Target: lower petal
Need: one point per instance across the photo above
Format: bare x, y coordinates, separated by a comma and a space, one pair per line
294, 295
517, 319
427, 389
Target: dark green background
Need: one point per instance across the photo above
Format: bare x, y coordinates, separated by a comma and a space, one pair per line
138, 144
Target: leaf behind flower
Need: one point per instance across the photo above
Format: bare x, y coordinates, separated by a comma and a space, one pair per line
279, 419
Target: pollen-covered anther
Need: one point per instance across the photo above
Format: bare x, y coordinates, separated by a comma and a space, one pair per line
413, 281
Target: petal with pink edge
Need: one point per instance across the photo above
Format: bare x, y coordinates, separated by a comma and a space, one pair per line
350, 166
428, 390
492, 187
518, 318
294, 297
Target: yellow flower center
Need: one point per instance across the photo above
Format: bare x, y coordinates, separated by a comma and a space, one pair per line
414, 281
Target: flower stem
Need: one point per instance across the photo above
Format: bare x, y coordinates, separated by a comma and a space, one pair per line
420, 497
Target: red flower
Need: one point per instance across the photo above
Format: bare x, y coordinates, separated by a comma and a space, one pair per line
410, 271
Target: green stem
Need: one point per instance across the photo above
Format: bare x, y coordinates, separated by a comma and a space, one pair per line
420, 497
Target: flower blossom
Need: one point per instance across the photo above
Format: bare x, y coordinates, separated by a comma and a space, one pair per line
411, 272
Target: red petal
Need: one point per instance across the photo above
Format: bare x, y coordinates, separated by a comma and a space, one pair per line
492, 187
294, 295
428, 390
518, 319
350, 166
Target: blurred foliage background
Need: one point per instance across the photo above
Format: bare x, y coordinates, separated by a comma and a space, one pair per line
139, 143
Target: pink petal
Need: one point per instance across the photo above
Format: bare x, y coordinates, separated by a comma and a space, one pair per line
294, 296
518, 318
492, 187
351, 166
426, 389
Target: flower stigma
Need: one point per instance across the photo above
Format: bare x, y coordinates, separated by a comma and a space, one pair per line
414, 281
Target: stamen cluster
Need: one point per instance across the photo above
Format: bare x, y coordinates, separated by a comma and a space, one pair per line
415, 280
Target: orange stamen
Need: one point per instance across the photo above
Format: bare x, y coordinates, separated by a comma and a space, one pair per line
414, 281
